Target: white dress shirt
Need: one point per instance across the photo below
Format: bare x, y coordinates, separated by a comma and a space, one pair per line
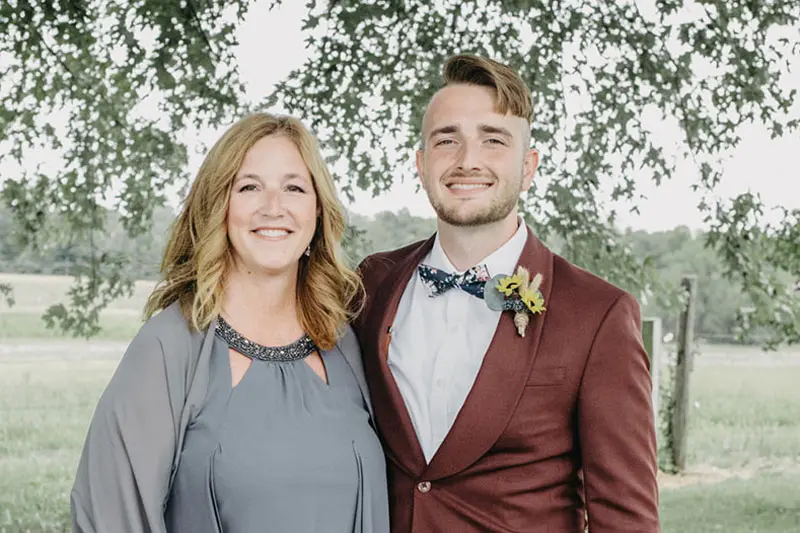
438, 344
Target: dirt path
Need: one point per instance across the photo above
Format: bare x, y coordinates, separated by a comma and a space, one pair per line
706, 474
60, 349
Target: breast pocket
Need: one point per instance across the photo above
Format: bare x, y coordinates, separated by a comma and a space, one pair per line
547, 376
541, 420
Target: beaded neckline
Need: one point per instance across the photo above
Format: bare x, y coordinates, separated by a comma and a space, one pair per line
299, 349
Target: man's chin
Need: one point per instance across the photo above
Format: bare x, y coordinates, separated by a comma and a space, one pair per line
468, 218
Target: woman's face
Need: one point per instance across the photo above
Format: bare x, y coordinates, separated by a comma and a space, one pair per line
272, 211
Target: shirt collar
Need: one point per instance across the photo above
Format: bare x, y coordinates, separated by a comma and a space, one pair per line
501, 261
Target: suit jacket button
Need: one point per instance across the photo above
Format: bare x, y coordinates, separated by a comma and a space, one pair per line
424, 486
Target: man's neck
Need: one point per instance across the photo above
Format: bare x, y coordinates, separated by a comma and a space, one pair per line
466, 246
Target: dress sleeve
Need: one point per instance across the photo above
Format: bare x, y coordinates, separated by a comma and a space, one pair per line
123, 476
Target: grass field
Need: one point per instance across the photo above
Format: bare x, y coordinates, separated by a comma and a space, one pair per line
34, 294
744, 440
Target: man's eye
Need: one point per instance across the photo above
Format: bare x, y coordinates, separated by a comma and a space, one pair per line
444, 141
496, 141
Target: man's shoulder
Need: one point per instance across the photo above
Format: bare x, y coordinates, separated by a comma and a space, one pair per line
578, 284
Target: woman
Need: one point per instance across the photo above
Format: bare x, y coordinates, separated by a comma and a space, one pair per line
241, 404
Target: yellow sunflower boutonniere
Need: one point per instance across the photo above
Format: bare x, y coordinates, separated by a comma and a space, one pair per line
518, 293
508, 284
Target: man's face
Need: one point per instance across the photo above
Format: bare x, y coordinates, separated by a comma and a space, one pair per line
475, 162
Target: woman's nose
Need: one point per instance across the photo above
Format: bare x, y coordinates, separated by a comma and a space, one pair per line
273, 203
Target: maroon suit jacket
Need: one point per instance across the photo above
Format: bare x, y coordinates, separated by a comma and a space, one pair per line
558, 425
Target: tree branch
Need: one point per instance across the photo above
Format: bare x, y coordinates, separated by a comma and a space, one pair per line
199, 27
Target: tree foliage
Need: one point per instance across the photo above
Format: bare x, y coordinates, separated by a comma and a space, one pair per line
672, 253
111, 86
107, 87
597, 71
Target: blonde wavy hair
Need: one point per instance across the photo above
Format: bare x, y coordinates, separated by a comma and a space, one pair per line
199, 256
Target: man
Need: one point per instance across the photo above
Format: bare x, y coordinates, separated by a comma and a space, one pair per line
490, 424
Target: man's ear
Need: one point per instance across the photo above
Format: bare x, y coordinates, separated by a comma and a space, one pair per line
530, 163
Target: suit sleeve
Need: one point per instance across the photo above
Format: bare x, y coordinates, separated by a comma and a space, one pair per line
616, 427
123, 474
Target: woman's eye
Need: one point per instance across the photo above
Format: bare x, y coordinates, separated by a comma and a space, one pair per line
295, 188
248, 187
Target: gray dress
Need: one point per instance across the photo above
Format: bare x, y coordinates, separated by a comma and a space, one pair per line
281, 452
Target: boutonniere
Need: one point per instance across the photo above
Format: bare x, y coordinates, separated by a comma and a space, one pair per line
518, 293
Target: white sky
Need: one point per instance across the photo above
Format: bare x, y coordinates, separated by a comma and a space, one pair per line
271, 45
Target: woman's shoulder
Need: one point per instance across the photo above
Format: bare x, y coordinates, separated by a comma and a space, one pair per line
350, 350
169, 320
168, 333
348, 343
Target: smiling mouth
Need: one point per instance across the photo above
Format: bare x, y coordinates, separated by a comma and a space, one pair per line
468, 186
460, 187
270, 232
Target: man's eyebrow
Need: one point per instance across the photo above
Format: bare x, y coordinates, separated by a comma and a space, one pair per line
444, 130
496, 130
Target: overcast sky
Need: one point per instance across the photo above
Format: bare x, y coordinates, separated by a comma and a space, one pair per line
271, 45
768, 167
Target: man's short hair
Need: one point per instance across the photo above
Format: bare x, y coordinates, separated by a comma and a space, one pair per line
512, 95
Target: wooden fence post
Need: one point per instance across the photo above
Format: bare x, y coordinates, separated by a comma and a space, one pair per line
651, 334
683, 369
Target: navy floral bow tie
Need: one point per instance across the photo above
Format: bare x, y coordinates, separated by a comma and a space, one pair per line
438, 281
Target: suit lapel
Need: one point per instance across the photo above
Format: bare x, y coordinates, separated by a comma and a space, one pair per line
500, 380
393, 419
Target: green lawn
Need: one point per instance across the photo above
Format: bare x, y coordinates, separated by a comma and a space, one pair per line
28, 325
766, 503
45, 407
744, 426
745, 429
34, 294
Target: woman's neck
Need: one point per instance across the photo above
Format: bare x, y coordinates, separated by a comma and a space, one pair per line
262, 307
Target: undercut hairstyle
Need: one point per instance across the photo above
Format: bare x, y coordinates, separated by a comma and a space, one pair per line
512, 96
199, 255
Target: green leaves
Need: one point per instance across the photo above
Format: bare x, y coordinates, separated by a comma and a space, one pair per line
7, 294
710, 69
765, 258
99, 282
110, 86
107, 88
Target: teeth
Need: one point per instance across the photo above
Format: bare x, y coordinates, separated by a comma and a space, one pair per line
469, 186
273, 232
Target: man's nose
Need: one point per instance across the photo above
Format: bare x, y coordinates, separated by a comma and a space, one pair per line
469, 156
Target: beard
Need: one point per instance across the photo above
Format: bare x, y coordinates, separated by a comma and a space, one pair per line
498, 209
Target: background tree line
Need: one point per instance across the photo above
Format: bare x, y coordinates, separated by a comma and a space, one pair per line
672, 254
112, 90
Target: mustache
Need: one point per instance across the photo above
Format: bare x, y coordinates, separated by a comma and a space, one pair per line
470, 174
